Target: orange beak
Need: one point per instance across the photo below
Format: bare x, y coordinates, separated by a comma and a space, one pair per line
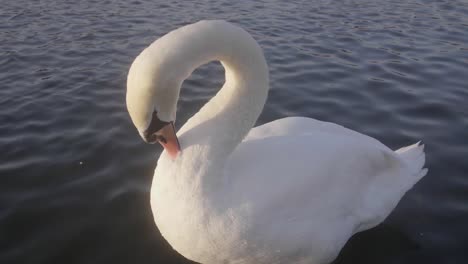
167, 137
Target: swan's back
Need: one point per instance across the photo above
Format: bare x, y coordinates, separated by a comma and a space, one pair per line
312, 190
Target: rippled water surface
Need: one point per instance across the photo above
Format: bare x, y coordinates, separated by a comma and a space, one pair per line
75, 176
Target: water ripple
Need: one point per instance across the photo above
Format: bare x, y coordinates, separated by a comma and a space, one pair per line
76, 175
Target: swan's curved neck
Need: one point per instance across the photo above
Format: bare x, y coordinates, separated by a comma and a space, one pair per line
225, 120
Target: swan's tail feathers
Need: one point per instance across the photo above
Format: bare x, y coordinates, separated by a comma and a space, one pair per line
414, 157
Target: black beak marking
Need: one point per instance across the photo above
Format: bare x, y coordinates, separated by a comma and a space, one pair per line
155, 125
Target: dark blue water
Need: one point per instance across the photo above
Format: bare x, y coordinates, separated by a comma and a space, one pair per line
75, 176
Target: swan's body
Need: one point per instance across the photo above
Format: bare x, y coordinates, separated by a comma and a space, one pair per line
290, 191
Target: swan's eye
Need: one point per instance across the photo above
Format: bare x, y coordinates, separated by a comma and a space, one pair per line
152, 138
161, 139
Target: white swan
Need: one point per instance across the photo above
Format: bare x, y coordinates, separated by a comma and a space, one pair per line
290, 191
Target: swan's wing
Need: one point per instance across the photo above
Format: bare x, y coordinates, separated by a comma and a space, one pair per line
319, 183
316, 162
294, 126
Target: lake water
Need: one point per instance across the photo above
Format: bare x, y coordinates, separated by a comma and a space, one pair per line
75, 176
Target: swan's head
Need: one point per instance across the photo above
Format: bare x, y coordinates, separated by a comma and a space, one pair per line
152, 102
